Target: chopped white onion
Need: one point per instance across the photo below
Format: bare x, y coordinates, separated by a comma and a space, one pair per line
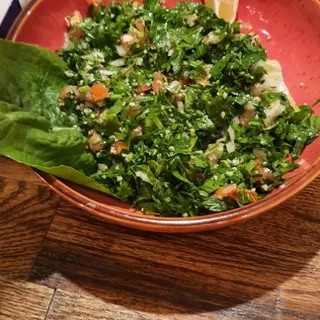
143, 176
180, 106
231, 147
102, 167
118, 62
211, 38
236, 120
191, 20
272, 112
127, 38
215, 151
121, 51
106, 72
274, 80
249, 106
231, 133
174, 86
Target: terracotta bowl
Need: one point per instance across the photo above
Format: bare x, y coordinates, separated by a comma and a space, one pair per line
289, 29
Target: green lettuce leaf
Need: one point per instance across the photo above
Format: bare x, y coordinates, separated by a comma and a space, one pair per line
33, 129
32, 78
28, 138
73, 175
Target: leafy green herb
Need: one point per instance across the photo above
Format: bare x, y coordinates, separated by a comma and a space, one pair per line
172, 110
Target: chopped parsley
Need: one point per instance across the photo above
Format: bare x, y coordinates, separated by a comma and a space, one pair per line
181, 110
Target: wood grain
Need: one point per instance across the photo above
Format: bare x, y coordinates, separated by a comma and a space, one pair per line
68, 305
74, 306
80, 305
26, 210
23, 301
17, 171
267, 268
79, 268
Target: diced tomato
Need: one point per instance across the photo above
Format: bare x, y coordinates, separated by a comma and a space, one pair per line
99, 92
157, 83
95, 3
289, 158
258, 161
73, 19
118, 146
252, 195
137, 38
140, 25
143, 88
75, 34
127, 40
266, 174
199, 176
257, 90
68, 91
177, 97
95, 142
246, 116
234, 196
133, 111
229, 191
203, 82
185, 81
137, 132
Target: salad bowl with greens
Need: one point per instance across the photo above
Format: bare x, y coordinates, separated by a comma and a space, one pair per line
171, 111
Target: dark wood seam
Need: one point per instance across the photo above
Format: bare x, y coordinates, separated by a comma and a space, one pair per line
50, 303
43, 240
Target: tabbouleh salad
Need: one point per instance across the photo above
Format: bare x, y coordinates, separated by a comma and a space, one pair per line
183, 112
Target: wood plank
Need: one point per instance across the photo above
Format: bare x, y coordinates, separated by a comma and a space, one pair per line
18, 171
82, 306
68, 305
26, 211
267, 268
21, 300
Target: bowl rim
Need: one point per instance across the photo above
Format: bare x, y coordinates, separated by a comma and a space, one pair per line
145, 222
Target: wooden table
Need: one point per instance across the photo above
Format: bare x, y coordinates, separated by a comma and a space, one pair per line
59, 263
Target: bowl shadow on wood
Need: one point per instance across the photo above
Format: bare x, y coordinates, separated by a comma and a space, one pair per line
170, 274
